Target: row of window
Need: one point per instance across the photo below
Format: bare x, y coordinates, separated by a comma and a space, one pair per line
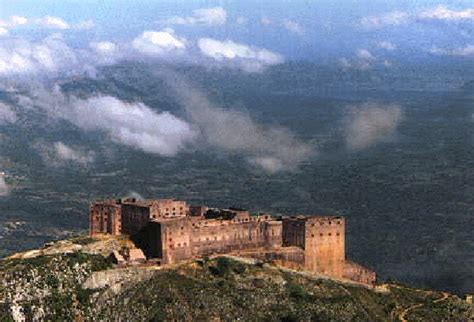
330, 223
329, 234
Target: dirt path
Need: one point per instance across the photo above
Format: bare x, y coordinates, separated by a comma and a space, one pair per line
403, 314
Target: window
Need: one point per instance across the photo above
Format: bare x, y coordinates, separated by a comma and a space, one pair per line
329, 234
321, 234
337, 234
312, 235
170, 239
330, 223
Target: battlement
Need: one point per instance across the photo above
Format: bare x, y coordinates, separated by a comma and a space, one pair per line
172, 231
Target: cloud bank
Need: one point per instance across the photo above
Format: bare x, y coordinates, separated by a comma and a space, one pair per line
131, 124
215, 16
158, 42
249, 58
60, 154
370, 123
463, 51
270, 148
397, 18
48, 56
7, 115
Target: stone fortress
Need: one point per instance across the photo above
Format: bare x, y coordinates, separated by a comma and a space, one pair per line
170, 231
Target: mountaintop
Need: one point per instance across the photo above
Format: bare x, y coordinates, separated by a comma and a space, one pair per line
76, 280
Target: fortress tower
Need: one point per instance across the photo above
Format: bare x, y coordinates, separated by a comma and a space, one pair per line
323, 241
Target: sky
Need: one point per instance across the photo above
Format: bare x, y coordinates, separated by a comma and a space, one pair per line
354, 34
43, 41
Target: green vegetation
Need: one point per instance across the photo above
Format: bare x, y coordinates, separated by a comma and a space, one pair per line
52, 288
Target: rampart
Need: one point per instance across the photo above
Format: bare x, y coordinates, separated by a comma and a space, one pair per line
172, 231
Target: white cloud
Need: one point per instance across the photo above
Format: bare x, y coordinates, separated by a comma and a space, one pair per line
394, 18
371, 123
363, 60
441, 12
209, 16
104, 47
53, 22
59, 154
158, 42
13, 21
397, 18
18, 57
67, 153
131, 124
293, 26
7, 115
463, 51
3, 31
251, 58
270, 148
107, 52
386, 45
18, 20
364, 54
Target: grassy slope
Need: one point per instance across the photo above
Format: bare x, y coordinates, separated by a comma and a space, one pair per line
51, 288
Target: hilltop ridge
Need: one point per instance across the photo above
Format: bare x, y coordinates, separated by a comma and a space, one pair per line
75, 280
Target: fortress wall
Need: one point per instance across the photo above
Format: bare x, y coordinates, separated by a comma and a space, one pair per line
168, 208
149, 239
105, 217
134, 218
175, 237
273, 234
293, 232
325, 245
290, 257
191, 237
359, 273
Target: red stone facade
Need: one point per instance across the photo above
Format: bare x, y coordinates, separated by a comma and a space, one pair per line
172, 231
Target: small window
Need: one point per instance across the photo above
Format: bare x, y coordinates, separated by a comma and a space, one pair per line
170, 239
321, 234
329, 234
312, 235
337, 234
